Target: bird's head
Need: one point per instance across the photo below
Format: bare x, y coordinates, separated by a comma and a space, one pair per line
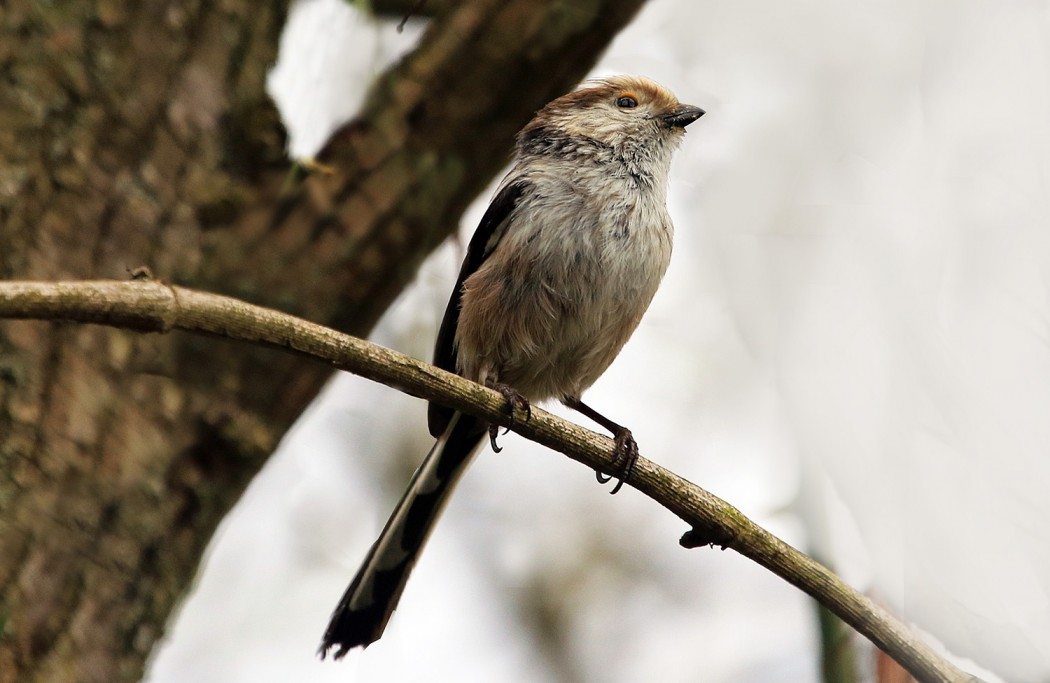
621, 112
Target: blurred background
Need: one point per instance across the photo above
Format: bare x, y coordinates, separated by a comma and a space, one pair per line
852, 345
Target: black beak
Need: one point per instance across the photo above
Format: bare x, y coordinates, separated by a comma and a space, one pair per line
683, 116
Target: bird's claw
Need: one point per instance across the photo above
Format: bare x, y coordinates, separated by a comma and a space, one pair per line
493, 433
625, 454
515, 402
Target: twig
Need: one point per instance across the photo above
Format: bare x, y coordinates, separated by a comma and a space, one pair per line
408, 15
149, 306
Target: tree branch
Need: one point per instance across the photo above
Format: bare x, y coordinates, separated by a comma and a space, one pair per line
150, 306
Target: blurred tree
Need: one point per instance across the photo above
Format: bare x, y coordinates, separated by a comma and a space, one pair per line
140, 135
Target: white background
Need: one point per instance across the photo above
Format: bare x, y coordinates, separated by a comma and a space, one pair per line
852, 345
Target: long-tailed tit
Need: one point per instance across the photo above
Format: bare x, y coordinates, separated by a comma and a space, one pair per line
556, 278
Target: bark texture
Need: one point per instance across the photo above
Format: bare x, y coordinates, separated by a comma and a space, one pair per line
139, 134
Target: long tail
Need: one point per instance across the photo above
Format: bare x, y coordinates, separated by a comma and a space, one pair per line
368, 602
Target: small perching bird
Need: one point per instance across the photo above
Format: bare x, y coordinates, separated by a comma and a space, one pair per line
556, 278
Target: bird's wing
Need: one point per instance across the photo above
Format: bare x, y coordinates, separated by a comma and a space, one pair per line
488, 234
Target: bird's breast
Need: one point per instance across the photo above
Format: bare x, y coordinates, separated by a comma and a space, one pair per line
561, 293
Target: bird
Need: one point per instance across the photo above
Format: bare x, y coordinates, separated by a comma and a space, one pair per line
556, 278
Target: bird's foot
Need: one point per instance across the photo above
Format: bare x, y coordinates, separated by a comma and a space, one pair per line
516, 402
625, 454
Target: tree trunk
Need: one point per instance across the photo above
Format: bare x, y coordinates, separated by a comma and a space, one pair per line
139, 134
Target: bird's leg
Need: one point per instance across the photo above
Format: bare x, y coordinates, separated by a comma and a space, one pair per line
626, 451
515, 401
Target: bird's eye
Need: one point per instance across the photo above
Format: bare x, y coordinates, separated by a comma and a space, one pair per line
626, 101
